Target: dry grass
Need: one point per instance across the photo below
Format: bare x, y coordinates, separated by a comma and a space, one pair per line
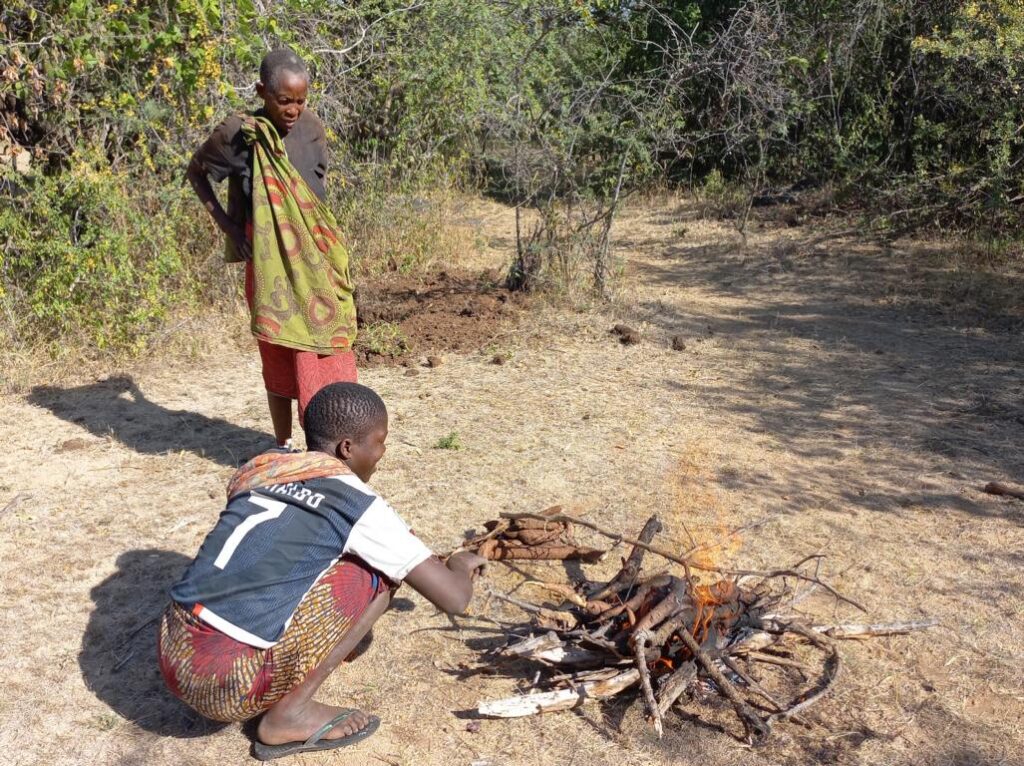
858, 426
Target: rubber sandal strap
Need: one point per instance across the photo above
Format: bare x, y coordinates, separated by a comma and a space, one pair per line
319, 734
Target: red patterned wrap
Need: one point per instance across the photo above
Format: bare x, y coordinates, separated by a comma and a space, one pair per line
226, 680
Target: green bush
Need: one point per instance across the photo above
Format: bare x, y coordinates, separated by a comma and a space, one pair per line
86, 259
383, 339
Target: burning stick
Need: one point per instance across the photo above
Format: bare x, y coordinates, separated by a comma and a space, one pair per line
675, 685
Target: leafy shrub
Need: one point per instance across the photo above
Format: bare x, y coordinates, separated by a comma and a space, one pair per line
87, 260
404, 227
383, 339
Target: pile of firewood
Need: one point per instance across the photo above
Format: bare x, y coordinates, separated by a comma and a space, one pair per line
531, 537
666, 634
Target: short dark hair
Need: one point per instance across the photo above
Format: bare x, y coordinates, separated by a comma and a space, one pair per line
277, 63
341, 411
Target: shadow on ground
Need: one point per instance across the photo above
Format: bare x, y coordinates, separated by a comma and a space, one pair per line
118, 655
857, 350
117, 407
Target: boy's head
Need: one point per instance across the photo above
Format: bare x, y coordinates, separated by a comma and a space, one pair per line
350, 422
283, 86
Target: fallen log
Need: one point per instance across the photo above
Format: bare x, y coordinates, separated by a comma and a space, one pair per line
563, 699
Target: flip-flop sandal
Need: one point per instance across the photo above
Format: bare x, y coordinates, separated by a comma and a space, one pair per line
316, 741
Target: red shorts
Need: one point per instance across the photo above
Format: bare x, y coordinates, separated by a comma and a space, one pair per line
294, 374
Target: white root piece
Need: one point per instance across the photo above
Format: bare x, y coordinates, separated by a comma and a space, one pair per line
858, 630
530, 646
564, 699
559, 589
755, 642
550, 649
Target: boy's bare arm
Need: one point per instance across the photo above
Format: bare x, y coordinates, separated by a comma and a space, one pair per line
449, 586
197, 177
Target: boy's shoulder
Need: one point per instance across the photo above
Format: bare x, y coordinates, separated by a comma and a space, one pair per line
314, 126
230, 126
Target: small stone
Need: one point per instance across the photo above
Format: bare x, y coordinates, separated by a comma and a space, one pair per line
473, 727
411, 372
622, 330
630, 338
434, 361
678, 343
497, 359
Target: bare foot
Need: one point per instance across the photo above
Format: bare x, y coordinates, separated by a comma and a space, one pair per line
279, 727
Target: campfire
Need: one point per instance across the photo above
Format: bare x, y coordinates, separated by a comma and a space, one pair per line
666, 634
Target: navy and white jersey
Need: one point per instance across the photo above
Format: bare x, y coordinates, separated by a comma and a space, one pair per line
272, 544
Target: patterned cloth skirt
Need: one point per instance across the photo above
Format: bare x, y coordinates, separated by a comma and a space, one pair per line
226, 680
298, 375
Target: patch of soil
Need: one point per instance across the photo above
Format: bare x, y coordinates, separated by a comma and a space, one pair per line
447, 311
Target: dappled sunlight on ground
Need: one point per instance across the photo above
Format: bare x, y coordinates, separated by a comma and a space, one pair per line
826, 391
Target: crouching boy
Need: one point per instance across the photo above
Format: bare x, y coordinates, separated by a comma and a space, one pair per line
299, 566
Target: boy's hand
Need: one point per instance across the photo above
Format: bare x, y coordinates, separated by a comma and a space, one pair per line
467, 563
237, 235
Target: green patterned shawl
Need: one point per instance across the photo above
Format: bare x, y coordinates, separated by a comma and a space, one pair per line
303, 291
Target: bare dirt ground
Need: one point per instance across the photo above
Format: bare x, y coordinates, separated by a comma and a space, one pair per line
843, 391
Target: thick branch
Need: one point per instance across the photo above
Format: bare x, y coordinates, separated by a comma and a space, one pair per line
631, 568
641, 639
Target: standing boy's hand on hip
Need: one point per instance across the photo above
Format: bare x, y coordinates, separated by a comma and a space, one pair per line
237, 235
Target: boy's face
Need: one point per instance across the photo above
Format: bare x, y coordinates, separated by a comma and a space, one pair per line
286, 102
363, 455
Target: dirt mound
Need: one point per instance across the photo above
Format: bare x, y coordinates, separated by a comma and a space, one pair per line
405, 318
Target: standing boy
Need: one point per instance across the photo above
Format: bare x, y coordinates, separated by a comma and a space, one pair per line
297, 280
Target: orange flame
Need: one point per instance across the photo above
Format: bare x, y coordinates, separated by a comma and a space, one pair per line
696, 516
